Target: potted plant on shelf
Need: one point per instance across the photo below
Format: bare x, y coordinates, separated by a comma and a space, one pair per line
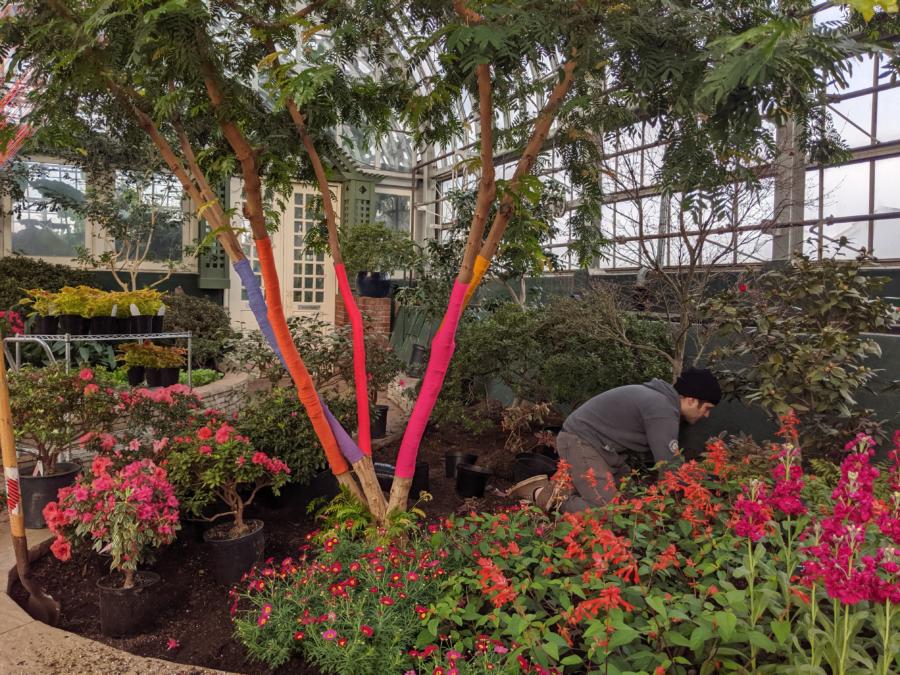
160, 364
103, 309
144, 307
215, 463
373, 251
51, 411
43, 304
126, 514
73, 308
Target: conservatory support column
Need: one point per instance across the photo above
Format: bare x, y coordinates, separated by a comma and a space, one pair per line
790, 191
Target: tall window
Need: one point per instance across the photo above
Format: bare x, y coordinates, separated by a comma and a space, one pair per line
392, 210
41, 225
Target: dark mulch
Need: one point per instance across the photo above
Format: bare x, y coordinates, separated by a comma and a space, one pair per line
196, 608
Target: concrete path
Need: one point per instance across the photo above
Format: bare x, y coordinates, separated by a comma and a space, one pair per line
29, 647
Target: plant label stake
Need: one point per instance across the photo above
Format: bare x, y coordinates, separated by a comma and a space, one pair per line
40, 605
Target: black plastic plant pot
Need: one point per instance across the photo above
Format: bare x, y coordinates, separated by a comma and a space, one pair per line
45, 325
141, 324
104, 325
157, 326
420, 483
128, 611
378, 424
229, 558
373, 285
471, 480
530, 464
168, 376
135, 375
38, 491
122, 324
454, 459
73, 324
154, 376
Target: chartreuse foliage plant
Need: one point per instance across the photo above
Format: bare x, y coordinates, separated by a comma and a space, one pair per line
714, 568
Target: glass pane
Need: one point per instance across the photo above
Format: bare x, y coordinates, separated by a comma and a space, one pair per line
392, 210
853, 120
888, 119
41, 224
886, 241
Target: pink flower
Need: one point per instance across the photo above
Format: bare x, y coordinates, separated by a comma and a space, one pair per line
366, 630
86, 375
752, 514
172, 643
91, 389
329, 634
223, 432
61, 548
80, 493
134, 445
240, 461
100, 465
205, 450
205, 433
386, 600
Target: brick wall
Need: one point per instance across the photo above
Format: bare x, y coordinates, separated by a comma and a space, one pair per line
376, 314
228, 394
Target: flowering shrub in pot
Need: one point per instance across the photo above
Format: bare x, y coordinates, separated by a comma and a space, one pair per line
214, 462
51, 411
149, 419
125, 513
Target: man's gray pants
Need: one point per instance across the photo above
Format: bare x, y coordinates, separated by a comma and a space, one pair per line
591, 488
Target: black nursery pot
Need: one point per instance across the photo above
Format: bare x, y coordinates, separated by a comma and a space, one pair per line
45, 325
454, 459
128, 611
154, 376
157, 326
104, 325
373, 285
530, 464
38, 491
378, 424
418, 360
471, 480
140, 325
73, 324
168, 376
135, 375
230, 558
420, 483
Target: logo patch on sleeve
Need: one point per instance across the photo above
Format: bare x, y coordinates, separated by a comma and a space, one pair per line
673, 447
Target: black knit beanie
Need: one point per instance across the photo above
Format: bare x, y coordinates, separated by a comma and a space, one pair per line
699, 383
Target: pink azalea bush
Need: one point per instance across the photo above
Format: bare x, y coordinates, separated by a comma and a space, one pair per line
126, 513
213, 461
149, 418
53, 409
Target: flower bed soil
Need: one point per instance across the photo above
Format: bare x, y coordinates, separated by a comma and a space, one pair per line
197, 608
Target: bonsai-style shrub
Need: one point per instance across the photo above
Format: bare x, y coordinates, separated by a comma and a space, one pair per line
207, 322
19, 271
795, 338
149, 419
215, 462
125, 513
369, 247
52, 410
276, 423
151, 355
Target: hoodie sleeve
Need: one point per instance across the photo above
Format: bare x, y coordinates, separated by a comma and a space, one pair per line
662, 436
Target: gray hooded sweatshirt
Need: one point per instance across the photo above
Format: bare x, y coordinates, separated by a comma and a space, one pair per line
631, 422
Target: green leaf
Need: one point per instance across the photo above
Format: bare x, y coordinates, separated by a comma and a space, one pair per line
726, 623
